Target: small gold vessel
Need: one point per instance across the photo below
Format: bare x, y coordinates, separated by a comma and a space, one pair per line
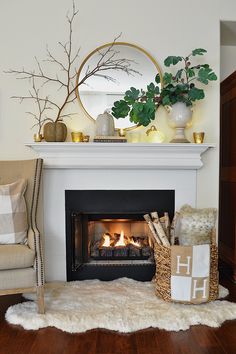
38, 137
86, 138
77, 137
198, 137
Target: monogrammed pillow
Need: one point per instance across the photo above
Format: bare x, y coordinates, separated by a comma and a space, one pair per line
13, 214
195, 226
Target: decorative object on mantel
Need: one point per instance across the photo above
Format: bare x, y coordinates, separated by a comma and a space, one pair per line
95, 97
179, 118
122, 132
154, 135
109, 139
38, 137
77, 137
52, 110
180, 90
55, 131
198, 137
178, 93
143, 310
86, 138
105, 124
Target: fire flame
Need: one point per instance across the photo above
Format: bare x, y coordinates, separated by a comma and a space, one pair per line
121, 241
107, 241
135, 243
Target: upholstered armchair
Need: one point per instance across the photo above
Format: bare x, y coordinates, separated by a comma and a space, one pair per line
21, 265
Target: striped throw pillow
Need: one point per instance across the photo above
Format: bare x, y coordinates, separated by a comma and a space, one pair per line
13, 214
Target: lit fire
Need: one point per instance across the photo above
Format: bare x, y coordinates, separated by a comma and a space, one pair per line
107, 241
121, 241
135, 243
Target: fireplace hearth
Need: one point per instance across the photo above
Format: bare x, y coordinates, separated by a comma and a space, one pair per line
106, 235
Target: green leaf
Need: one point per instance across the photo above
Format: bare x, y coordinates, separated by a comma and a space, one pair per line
190, 72
206, 74
179, 74
152, 90
132, 93
212, 76
198, 51
172, 60
120, 109
143, 113
167, 78
205, 66
196, 94
157, 79
151, 87
166, 101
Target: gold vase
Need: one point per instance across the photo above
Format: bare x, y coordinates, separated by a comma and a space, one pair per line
38, 137
77, 137
55, 132
198, 137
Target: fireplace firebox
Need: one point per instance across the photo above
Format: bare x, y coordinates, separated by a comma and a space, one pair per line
106, 235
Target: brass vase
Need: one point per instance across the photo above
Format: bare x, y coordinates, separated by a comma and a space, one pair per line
55, 132
38, 137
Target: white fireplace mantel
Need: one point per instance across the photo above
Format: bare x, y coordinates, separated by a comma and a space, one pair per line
120, 155
108, 166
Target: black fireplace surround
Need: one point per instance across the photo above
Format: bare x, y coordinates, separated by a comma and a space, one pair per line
86, 207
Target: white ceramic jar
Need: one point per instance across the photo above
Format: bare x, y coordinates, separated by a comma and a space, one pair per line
105, 124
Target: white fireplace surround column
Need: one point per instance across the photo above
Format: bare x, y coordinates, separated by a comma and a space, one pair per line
112, 166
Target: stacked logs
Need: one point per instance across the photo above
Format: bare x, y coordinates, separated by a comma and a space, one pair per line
135, 247
162, 230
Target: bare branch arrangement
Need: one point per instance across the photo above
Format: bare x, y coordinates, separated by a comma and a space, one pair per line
42, 106
65, 79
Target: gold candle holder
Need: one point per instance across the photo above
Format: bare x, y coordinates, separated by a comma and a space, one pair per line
122, 132
86, 138
77, 137
38, 137
198, 137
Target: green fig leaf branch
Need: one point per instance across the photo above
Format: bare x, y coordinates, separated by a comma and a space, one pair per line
181, 86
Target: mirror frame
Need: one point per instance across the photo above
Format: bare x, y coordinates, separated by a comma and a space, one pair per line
102, 47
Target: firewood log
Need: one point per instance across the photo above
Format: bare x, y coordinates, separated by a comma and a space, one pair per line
153, 232
167, 224
159, 229
173, 238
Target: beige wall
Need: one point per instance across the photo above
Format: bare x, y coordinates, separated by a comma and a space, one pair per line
227, 60
162, 28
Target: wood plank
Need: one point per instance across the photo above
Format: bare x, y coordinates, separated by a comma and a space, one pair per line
115, 343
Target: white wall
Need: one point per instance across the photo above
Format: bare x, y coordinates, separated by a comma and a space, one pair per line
162, 28
227, 61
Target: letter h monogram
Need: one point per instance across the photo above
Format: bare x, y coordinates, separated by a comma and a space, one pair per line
186, 265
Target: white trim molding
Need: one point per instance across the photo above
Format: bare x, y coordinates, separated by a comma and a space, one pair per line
120, 155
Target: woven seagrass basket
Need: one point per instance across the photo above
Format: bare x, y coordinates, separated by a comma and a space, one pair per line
162, 256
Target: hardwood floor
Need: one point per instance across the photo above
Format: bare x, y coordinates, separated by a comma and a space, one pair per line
198, 339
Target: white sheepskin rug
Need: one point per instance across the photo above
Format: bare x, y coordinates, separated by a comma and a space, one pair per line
123, 305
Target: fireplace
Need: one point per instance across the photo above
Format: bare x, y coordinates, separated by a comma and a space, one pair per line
106, 235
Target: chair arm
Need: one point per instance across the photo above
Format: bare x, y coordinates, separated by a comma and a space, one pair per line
34, 243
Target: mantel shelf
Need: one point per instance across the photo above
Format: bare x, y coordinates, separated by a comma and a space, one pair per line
121, 155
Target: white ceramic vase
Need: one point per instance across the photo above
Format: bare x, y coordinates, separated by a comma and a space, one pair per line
105, 124
179, 117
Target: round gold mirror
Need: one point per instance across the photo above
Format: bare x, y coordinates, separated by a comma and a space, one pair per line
121, 65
